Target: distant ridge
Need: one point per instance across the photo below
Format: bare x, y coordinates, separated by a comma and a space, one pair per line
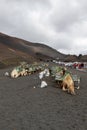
13, 50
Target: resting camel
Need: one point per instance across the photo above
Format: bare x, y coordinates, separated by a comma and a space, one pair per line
67, 82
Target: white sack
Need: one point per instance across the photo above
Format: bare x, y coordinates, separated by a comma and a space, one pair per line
6, 73
43, 84
41, 75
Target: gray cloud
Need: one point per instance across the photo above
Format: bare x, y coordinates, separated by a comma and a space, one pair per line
60, 24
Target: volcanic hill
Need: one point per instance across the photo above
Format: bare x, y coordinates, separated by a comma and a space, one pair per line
13, 50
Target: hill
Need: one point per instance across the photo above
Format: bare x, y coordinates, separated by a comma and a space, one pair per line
13, 50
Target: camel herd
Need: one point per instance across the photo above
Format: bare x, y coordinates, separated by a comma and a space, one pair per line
61, 75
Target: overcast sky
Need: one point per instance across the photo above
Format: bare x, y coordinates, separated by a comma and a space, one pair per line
61, 24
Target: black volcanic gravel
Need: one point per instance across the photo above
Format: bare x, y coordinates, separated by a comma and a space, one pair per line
23, 107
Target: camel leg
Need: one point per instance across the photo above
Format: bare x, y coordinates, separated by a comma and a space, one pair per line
63, 88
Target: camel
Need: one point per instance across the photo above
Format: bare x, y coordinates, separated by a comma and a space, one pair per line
68, 84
